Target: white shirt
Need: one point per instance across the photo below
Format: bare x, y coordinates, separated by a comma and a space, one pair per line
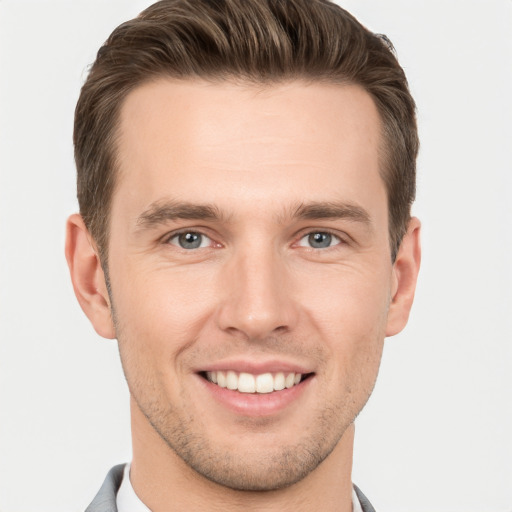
128, 501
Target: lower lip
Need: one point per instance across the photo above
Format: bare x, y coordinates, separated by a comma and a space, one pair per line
257, 404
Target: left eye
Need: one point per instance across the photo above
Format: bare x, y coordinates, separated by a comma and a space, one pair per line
319, 240
190, 240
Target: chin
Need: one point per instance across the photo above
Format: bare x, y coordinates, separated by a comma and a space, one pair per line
252, 465
257, 472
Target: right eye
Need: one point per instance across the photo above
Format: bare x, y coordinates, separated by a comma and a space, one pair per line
319, 240
190, 240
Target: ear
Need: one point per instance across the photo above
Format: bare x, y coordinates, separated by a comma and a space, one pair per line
405, 274
87, 276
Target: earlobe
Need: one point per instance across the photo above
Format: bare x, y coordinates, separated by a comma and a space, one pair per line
88, 277
405, 274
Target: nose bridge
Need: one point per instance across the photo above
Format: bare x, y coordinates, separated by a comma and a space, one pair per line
257, 300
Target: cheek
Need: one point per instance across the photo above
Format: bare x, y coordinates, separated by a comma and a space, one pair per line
162, 311
348, 298
156, 322
349, 311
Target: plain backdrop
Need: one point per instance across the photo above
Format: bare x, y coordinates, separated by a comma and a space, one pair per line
437, 434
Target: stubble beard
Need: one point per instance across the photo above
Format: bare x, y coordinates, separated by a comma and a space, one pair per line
243, 464
242, 469
245, 469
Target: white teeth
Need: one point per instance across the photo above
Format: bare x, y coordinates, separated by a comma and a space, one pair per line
231, 380
290, 380
279, 381
248, 383
221, 379
265, 383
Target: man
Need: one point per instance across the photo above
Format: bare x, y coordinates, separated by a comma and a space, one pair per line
245, 175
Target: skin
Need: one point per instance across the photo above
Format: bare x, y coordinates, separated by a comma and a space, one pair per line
275, 164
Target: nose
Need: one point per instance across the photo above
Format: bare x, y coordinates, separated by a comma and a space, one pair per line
258, 296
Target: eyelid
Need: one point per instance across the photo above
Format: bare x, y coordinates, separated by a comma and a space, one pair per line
342, 237
166, 239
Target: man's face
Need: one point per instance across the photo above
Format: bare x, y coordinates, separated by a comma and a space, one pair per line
249, 246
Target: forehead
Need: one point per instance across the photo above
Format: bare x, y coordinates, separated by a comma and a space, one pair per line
225, 142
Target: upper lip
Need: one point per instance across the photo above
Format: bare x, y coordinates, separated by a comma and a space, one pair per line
255, 367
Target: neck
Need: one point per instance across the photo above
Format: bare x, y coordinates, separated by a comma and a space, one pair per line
164, 482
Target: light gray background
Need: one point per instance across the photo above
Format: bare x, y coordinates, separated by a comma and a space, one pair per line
436, 435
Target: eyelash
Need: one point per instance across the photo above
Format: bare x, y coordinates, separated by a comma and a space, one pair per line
167, 239
341, 240
337, 236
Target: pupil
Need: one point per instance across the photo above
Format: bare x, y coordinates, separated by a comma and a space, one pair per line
190, 240
320, 240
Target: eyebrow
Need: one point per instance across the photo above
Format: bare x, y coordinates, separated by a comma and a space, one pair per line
161, 212
332, 210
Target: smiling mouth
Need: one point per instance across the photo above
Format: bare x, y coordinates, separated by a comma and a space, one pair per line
249, 383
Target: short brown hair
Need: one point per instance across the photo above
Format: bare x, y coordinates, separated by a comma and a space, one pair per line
263, 41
